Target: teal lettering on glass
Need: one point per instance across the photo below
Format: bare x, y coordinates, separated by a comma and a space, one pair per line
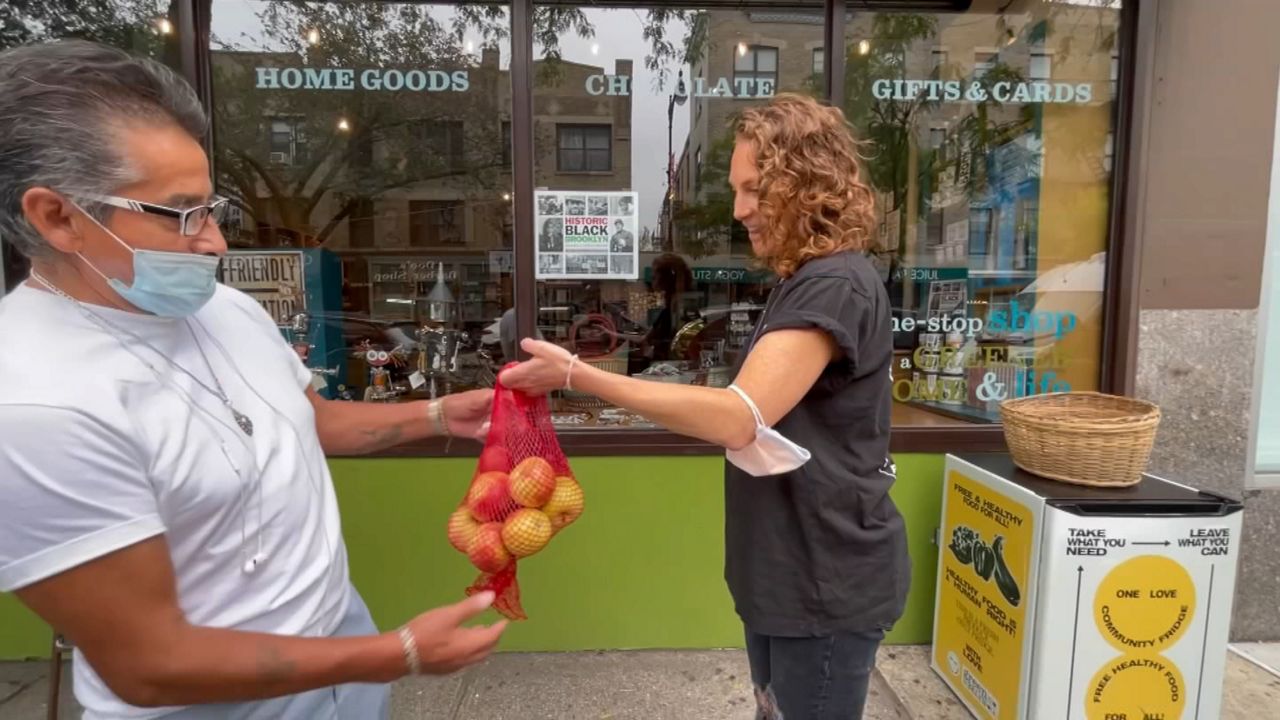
372, 79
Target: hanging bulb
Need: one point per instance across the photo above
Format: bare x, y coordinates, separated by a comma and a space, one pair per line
313, 36
742, 49
164, 26
864, 47
471, 46
344, 125
595, 48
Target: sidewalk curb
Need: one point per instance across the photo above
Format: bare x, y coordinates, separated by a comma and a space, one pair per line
891, 694
1233, 648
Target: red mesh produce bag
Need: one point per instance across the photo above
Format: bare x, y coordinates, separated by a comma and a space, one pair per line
521, 495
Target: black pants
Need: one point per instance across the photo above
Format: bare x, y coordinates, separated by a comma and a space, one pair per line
816, 678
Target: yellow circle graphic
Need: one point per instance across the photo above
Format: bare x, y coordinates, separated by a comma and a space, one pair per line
1145, 604
1136, 687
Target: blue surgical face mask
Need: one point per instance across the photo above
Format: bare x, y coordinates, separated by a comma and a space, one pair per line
168, 284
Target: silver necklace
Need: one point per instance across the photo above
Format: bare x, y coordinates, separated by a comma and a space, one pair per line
245, 424
241, 419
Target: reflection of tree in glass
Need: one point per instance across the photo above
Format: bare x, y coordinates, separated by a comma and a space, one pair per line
898, 163
301, 162
390, 140
887, 125
129, 24
553, 22
665, 53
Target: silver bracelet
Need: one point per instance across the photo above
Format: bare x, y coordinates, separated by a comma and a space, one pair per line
435, 409
410, 645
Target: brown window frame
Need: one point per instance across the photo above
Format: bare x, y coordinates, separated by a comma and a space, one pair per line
1119, 346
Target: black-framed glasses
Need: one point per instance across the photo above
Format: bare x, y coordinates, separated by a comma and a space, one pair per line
190, 220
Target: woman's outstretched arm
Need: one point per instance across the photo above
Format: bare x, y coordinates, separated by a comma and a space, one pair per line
780, 370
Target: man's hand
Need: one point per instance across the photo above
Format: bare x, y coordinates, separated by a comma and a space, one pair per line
444, 646
359, 428
467, 414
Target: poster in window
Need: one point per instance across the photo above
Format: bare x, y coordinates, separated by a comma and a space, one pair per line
948, 298
275, 279
587, 237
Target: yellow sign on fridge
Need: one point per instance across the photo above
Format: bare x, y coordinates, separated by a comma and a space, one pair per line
981, 633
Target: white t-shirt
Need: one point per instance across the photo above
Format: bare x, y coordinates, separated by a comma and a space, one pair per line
98, 453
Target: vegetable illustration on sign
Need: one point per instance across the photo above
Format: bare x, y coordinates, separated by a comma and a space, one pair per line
962, 543
1005, 582
987, 560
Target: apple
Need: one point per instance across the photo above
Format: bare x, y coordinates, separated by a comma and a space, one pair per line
566, 503
526, 532
532, 482
535, 479
486, 551
462, 528
489, 498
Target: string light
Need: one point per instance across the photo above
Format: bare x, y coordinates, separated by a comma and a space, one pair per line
742, 49
344, 125
595, 48
864, 47
164, 26
313, 36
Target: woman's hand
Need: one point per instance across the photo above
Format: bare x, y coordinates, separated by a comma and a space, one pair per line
547, 370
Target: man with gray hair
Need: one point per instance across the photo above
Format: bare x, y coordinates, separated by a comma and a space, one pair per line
166, 501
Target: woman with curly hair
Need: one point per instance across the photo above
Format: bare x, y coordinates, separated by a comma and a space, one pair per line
815, 550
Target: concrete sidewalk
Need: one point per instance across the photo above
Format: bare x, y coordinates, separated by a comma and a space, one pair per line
653, 685
640, 685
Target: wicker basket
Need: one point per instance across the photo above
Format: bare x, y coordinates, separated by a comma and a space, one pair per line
1082, 438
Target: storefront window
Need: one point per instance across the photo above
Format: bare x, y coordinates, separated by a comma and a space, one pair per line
641, 267
366, 148
143, 27
989, 147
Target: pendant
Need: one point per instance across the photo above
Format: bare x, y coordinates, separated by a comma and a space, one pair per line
243, 421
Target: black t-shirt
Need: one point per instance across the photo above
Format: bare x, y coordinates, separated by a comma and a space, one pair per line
823, 549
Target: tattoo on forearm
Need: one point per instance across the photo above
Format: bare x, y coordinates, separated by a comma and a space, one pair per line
273, 667
383, 437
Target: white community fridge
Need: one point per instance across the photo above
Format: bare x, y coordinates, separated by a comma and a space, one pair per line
1065, 602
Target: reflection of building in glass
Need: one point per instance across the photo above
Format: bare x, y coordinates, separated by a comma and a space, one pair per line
758, 53
582, 140
975, 167
401, 169
987, 133
747, 57
979, 192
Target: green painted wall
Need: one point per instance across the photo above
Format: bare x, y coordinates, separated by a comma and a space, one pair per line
642, 568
